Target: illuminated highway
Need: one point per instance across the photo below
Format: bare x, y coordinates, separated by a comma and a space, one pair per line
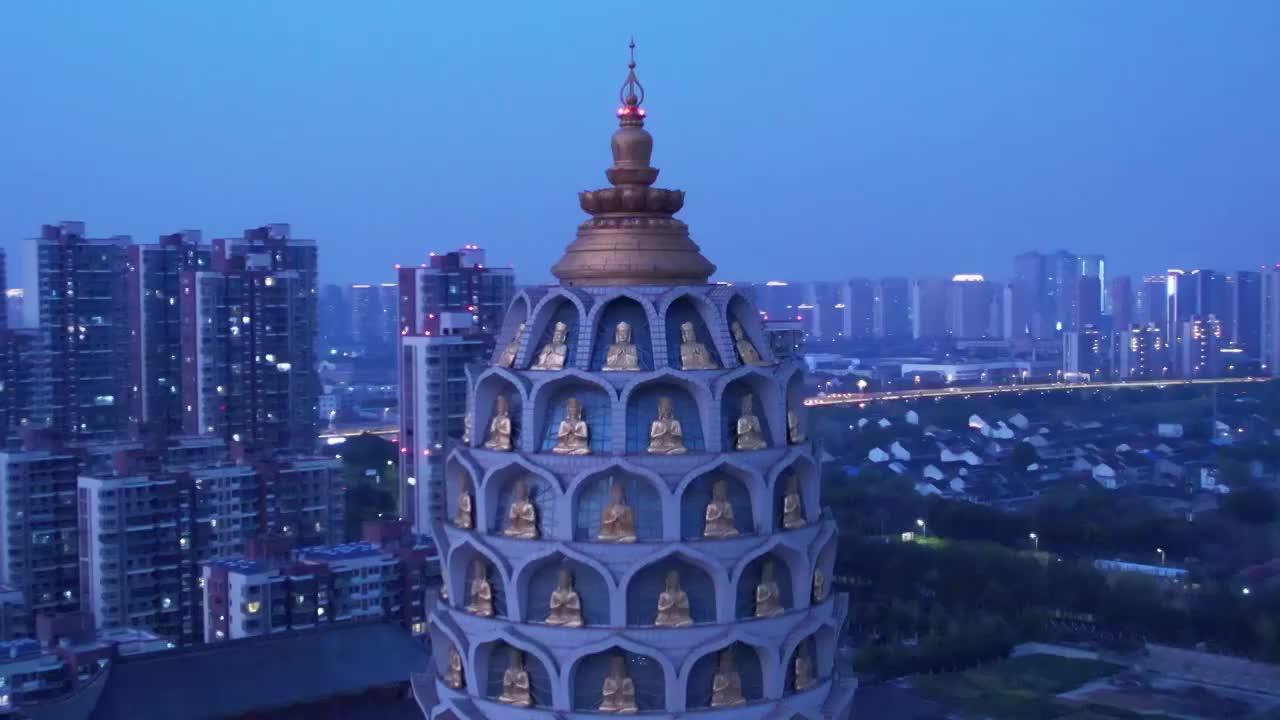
964, 392
838, 399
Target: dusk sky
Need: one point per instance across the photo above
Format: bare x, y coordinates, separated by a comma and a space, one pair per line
813, 140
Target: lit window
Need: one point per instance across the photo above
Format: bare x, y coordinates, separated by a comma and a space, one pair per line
252, 607
320, 611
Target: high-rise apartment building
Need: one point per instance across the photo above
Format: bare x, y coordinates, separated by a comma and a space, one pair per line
1088, 302
859, 308
433, 406
1063, 271
155, 302
83, 312
1084, 352
458, 280
824, 309
369, 316
1120, 299
1095, 266
1246, 301
1200, 342
929, 314
38, 541
1030, 314
892, 303
1141, 353
335, 316
1150, 302
973, 308
1270, 321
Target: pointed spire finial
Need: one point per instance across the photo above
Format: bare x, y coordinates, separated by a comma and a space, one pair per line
632, 93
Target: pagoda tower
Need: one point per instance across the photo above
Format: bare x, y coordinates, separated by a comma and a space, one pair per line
631, 524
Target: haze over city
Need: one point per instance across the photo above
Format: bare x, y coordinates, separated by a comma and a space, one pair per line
856, 138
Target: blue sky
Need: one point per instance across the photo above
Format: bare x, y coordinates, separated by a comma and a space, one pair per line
814, 140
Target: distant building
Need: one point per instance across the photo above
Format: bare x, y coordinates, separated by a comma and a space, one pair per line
1247, 310
1141, 353
929, 314
824, 309
1084, 353
1150, 302
1029, 314
15, 307
39, 541
780, 300
458, 280
859, 308
1063, 271
335, 316
1270, 325
1089, 302
892, 304
973, 308
1120, 302
1199, 347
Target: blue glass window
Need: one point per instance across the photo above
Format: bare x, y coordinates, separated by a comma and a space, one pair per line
642, 593
641, 497
746, 662
645, 672
642, 410
628, 311
592, 591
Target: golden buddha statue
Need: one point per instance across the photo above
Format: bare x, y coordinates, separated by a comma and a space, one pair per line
480, 599
792, 510
718, 519
466, 428
617, 522
794, 434
571, 438
522, 516
746, 351
553, 354
622, 354
444, 590
693, 354
804, 668
566, 605
768, 597
666, 437
500, 427
749, 434
508, 356
619, 692
673, 604
453, 675
819, 586
515, 682
465, 518
726, 686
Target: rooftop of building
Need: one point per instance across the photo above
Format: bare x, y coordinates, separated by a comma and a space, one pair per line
344, 551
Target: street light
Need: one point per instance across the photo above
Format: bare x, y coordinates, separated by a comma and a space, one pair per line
1245, 591
924, 530
1161, 551
862, 384
1036, 539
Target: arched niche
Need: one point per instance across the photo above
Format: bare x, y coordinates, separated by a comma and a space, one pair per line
441, 643
641, 493
499, 492
540, 577
813, 646
744, 313
795, 395
746, 661
496, 658
686, 309
517, 314
457, 475
462, 572
805, 471
555, 309
826, 564
642, 410
648, 583
645, 672
766, 405
698, 493
484, 405
745, 601
597, 409
622, 309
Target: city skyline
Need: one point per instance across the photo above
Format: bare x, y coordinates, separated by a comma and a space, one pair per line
1003, 129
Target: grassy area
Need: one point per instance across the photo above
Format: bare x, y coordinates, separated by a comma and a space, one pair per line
1021, 687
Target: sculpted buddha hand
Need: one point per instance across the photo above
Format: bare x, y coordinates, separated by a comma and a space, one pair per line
617, 522
508, 356
768, 598
794, 434
718, 519
515, 682
465, 517
553, 354
500, 427
571, 438
726, 686
453, 675
522, 516
566, 605
666, 437
749, 434
673, 604
792, 511
480, 597
622, 355
619, 692
746, 351
693, 354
